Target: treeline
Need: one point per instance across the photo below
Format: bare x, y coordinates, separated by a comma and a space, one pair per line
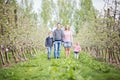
20, 36
105, 30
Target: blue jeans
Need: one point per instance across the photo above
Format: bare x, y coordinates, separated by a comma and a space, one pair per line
57, 46
49, 49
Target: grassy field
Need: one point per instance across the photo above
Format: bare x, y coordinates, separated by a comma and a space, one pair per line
40, 68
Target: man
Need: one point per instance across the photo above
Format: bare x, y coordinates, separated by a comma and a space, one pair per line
58, 36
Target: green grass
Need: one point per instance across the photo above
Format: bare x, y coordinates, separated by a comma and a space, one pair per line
39, 68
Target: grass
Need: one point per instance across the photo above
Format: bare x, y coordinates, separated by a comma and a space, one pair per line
39, 68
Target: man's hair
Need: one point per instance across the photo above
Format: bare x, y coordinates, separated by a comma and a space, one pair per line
58, 23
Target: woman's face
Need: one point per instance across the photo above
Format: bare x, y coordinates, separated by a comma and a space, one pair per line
67, 27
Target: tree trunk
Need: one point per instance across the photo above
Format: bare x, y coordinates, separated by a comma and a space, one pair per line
115, 10
114, 55
15, 59
6, 56
2, 58
15, 13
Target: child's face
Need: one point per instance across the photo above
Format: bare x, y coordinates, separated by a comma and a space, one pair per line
50, 34
77, 43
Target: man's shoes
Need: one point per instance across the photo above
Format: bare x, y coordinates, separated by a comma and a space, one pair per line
48, 58
58, 57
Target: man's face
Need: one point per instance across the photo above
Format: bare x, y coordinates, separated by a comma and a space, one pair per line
58, 26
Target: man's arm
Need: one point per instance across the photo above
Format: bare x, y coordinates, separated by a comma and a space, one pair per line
62, 35
53, 36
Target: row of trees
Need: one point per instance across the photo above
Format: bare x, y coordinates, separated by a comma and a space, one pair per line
102, 37
20, 36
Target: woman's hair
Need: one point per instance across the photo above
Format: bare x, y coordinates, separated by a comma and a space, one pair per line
67, 27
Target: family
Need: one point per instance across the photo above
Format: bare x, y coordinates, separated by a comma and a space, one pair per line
59, 37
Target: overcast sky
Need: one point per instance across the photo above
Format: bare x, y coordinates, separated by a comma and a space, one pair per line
98, 4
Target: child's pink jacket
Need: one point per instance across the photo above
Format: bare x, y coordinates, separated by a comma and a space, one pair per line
77, 48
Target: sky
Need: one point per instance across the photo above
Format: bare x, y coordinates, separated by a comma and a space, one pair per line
98, 4
37, 4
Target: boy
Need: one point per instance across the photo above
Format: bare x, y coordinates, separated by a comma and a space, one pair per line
49, 44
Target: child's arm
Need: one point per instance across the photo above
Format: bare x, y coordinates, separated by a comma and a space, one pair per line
79, 49
46, 42
71, 36
52, 41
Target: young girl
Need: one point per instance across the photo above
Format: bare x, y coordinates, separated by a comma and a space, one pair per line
77, 50
49, 44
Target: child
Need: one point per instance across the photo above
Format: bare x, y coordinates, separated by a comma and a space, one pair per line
77, 50
49, 44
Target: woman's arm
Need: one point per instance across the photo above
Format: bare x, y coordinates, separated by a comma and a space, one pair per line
71, 37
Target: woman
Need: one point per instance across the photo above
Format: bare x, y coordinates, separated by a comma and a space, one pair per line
67, 40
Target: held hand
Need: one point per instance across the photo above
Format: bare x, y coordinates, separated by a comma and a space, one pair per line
62, 43
71, 44
52, 43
